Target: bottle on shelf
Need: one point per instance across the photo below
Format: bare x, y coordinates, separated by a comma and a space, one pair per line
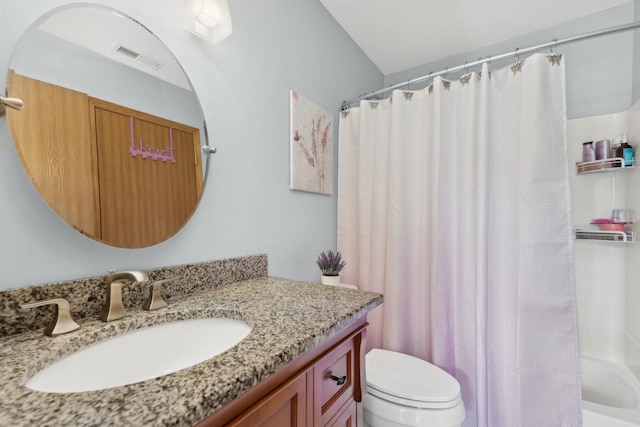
603, 149
625, 151
588, 152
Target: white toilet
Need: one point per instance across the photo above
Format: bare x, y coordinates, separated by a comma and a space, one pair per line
403, 390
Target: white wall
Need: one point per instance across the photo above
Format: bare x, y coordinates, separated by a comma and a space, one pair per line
636, 54
243, 84
600, 267
632, 289
607, 273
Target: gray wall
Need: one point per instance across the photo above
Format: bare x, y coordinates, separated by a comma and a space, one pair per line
599, 71
243, 84
636, 56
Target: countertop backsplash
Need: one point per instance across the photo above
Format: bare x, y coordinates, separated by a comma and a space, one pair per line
87, 296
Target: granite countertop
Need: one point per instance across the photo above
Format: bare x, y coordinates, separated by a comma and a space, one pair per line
288, 318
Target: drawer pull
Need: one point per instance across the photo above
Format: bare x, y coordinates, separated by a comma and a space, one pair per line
339, 380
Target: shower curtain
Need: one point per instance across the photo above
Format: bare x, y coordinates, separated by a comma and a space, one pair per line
453, 202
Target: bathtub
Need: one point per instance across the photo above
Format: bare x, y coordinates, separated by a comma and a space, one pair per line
610, 394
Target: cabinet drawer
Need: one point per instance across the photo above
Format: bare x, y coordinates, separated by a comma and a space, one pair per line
348, 417
286, 406
333, 381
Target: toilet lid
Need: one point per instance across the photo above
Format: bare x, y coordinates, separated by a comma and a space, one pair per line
406, 377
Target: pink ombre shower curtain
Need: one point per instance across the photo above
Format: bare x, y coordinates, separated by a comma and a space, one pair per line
453, 202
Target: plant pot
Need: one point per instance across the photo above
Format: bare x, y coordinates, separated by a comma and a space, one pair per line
331, 280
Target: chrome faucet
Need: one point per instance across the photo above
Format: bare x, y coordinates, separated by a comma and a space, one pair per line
113, 308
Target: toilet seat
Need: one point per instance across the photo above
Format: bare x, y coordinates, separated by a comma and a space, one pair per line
409, 381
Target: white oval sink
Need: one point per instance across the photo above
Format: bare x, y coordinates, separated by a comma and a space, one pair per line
140, 355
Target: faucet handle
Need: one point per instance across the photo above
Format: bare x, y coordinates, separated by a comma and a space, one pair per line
62, 321
155, 301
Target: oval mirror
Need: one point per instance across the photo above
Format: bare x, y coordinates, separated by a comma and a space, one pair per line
111, 128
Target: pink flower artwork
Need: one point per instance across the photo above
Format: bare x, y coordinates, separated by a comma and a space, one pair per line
311, 146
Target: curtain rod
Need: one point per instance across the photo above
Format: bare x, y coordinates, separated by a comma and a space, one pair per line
516, 53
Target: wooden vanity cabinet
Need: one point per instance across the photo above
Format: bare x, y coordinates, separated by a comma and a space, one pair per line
285, 406
333, 382
323, 387
348, 417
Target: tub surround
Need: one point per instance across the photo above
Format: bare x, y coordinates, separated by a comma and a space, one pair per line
87, 296
289, 318
610, 394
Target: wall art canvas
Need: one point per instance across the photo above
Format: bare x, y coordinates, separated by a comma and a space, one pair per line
311, 146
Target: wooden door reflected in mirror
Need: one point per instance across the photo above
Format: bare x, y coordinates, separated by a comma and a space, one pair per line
149, 175
117, 175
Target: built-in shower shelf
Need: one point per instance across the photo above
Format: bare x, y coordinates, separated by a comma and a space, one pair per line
610, 236
608, 165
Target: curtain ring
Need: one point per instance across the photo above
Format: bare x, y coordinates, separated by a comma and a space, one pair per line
555, 46
464, 70
517, 54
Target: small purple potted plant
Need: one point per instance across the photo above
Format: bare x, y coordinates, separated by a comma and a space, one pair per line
330, 264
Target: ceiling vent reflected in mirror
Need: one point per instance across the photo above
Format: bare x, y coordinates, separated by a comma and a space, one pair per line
137, 56
102, 33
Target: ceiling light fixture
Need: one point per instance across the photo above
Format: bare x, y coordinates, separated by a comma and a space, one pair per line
208, 19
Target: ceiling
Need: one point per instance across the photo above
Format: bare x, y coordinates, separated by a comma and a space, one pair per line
402, 34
